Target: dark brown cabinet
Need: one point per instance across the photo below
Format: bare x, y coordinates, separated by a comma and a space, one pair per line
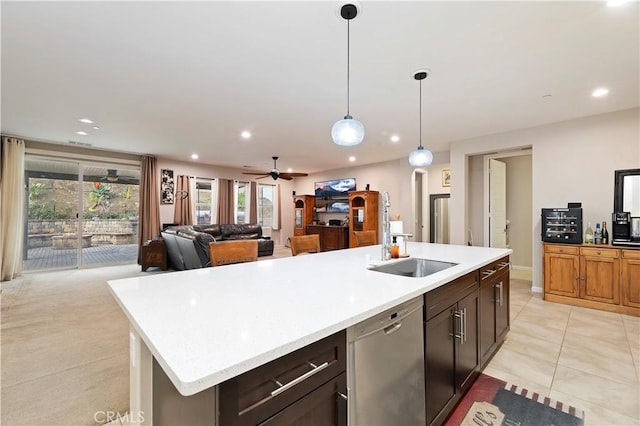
331, 237
494, 307
451, 344
154, 253
306, 387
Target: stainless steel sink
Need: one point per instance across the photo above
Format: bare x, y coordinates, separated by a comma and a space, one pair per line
413, 267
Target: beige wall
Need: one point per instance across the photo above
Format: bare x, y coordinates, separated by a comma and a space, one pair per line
571, 161
395, 177
213, 172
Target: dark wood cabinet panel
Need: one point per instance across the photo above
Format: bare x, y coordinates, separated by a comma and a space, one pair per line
325, 406
439, 364
331, 237
259, 394
451, 344
494, 307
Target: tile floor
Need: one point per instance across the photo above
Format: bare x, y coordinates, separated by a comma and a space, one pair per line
583, 357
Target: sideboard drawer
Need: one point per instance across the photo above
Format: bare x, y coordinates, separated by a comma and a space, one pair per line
631, 254
548, 248
602, 252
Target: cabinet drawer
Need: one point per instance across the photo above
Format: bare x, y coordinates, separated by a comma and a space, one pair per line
493, 268
631, 254
258, 394
442, 297
602, 252
561, 249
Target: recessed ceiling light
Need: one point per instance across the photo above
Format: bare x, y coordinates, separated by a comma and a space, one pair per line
85, 120
547, 96
395, 138
289, 170
600, 92
82, 133
246, 134
614, 3
95, 128
194, 156
352, 159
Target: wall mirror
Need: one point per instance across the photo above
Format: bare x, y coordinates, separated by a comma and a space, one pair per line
627, 192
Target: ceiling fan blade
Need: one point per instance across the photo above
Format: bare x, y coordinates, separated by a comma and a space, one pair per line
294, 174
285, 177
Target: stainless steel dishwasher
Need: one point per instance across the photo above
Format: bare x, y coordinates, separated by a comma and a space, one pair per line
385, 368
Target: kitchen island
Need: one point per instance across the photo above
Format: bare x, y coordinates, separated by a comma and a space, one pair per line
202, 327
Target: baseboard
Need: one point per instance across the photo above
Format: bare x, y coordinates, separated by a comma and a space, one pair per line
522, 272
536, 289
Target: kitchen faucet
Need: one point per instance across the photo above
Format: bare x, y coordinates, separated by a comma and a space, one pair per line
386, 227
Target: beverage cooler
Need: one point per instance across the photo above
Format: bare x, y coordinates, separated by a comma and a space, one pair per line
562, 225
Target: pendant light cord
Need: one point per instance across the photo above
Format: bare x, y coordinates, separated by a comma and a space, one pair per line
348, 56
420, 114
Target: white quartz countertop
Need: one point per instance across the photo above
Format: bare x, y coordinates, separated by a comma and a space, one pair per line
205, 326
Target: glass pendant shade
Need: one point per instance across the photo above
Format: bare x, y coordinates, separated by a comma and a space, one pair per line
347, 132
420, 157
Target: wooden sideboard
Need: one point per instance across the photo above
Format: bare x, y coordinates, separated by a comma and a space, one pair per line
331, 237
594, 276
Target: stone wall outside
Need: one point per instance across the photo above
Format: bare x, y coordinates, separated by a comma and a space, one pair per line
103, 231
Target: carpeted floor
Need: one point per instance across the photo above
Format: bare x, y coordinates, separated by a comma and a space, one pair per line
494, 401
65, 347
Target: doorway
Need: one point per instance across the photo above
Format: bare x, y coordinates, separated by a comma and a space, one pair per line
439, 218
79, 214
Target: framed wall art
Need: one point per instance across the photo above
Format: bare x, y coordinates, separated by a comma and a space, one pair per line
166, 187
446, 177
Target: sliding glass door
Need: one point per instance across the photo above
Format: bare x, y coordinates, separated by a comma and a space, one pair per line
79, 214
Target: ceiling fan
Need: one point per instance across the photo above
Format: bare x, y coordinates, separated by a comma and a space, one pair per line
277, 174
112, 177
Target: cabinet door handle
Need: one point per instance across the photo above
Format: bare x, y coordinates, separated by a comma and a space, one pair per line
461, 316
343, 396
463, 320
316, 370
499, 287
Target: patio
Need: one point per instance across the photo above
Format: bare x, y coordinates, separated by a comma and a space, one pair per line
42, 258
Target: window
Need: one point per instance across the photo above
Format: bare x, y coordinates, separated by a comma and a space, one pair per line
266, 195
206, 202
242, 202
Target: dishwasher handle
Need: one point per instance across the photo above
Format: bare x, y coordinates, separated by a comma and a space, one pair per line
392, 328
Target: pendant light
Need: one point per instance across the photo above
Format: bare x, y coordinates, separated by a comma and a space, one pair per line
421, 157
348, 131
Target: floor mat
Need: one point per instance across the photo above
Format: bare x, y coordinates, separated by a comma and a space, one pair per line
494, 401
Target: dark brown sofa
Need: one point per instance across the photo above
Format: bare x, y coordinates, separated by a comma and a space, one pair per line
188, 245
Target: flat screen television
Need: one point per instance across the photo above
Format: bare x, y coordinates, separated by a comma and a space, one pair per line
332, 196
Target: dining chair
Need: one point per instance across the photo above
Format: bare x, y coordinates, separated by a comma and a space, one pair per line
227, 252
304, 244
365, 238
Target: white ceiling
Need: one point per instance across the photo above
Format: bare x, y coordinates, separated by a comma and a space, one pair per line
173, 78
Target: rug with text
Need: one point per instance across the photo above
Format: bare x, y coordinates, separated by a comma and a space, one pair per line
492, 401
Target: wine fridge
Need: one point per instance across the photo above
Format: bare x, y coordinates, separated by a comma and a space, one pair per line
562, 225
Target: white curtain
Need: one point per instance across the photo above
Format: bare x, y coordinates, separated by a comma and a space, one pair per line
11, 207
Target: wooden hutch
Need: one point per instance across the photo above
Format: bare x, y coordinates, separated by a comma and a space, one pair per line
363, 213
304, 206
